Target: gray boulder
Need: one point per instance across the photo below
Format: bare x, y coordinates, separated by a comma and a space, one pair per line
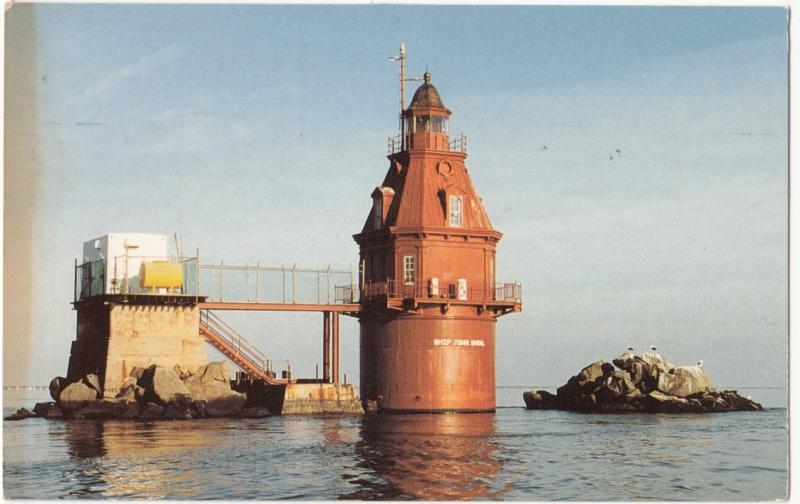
212, 384
57, 384
657, 402
225, 406
137, 372
130, 390
21, 414
684, 381
654, 359
540, 400
98, 409
211, 380
594, 371
40, 408
725, 400
162, 386
624, 361
620, 383
92, 381
182, 372
54, 412
75, 396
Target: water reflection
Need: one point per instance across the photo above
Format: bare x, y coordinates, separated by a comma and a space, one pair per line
430, 457
114, 451
85, 439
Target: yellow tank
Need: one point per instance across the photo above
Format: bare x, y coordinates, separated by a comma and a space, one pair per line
160, 274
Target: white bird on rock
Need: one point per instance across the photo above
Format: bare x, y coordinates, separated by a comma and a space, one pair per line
630, 349
700, 363
653, 348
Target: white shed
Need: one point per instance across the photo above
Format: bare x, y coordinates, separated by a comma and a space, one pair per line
122, 254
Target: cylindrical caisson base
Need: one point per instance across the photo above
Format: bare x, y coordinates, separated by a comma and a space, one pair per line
429, 363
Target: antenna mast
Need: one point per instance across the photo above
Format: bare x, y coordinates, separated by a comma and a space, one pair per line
402, 59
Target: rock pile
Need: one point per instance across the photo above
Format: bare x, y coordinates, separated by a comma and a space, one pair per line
647, 383
156, 392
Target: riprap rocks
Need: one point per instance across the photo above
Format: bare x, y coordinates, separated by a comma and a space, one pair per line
648, 383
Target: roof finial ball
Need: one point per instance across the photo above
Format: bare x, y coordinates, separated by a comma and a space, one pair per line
427, 76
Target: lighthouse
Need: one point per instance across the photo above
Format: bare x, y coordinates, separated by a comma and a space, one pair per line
429, 297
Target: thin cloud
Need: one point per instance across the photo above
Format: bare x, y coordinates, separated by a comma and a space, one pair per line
142, 67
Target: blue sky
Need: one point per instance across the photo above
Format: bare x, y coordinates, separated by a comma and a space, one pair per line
258, 133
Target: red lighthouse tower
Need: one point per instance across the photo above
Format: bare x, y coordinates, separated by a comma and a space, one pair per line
428, 292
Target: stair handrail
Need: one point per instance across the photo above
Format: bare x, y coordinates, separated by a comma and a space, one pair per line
234, 339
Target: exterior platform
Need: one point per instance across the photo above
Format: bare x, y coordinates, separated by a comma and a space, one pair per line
139, 299
305, 398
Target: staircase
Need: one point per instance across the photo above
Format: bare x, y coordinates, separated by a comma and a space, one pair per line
236, 348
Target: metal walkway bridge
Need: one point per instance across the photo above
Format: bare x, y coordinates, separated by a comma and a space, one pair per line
216, 287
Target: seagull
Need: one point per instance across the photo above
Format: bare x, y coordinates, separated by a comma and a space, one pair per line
700, 363
630, 349
653, 348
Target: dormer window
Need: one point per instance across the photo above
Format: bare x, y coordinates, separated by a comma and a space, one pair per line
381, 202
377, 211
456, 211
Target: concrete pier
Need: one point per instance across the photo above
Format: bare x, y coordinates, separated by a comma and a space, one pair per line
114, 336
306, 398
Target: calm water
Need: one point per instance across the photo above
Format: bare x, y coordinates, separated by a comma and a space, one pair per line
513, 454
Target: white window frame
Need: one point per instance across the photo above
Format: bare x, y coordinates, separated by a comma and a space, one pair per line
456, 211
409, 270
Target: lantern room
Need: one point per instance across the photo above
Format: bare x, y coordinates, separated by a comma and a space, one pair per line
425, 120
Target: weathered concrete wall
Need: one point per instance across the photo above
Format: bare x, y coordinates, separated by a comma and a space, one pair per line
115, 338
88, 351
317, 398
144, 335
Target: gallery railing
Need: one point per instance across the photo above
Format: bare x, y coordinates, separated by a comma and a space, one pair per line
391, 288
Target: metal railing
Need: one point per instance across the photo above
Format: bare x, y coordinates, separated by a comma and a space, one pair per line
261, 284
245, 354
391, 288
93, 278
395, 144
215, 282
439, 142
347, 294
90, 279
458, 144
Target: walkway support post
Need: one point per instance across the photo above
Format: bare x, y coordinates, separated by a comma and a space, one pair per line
335, 347
326, 347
